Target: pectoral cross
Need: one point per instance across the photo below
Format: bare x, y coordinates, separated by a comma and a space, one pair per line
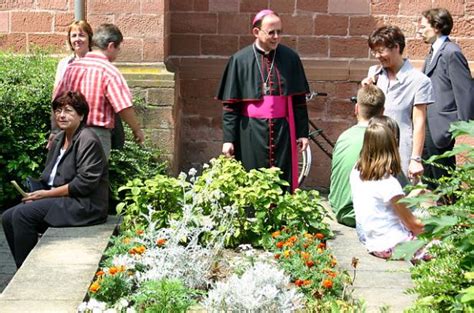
266, 89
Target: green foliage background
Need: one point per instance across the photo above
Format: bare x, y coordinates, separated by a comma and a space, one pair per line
26, 83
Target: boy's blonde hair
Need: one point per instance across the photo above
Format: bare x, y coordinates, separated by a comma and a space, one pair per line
379, 156
370, 100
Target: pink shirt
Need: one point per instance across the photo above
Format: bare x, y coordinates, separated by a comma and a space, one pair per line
103, 86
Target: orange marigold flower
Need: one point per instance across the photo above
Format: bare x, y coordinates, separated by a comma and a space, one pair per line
306, 245
330, 273
310, 263
305, 255
308, 236
322, 245
137, 250
319, 236
113, 270
161, 242
299, 282
139, 232
276, 234
95, 286
307, 282
279, 244
99, 273
288, 243
327, 283
293, 239
277, 256
126, 240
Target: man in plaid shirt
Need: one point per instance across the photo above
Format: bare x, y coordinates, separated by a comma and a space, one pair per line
103, 86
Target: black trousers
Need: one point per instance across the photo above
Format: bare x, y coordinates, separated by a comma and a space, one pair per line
435, 172
22, 224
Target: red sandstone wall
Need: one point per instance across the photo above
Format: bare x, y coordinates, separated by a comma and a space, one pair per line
330, 36
195, 38
25, 23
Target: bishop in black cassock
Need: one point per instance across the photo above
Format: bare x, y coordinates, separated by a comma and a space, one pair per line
263, 92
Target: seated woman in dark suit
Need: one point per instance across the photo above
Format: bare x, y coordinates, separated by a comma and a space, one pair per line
75, 179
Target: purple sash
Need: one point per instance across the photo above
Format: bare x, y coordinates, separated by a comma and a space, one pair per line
277, 107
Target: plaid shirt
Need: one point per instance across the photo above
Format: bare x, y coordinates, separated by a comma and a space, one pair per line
101, 83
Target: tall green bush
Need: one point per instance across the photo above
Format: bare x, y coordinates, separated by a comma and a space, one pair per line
445, 283
26, 83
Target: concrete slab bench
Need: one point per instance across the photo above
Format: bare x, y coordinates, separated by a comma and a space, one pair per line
380, 283
57, 273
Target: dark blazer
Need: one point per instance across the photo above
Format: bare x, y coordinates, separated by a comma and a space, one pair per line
84, 167
454, 92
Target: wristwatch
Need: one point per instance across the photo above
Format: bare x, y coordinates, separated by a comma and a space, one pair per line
416, 158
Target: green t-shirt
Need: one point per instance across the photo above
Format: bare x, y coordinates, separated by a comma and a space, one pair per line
345, 155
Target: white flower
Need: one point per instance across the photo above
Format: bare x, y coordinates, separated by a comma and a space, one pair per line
192, 172
131, 310
82, 307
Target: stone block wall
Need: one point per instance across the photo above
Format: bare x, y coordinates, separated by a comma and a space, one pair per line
331, 38
25, 23
194, 38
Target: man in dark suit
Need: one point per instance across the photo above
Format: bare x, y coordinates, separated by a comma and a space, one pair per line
453, 87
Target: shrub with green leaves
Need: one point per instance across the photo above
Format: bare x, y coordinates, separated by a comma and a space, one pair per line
444, 284
26, 85
166, 295
257, 195
262, 205
161, 192
133, 161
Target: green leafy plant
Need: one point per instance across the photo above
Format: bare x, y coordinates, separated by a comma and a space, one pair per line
442, 283
162, 193
25, 97
261, 203
311, 266
162, 296
110, 285
257, 195
133, 161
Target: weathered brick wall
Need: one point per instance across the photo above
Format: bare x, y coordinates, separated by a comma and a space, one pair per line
25, 23
330, 36
195, 37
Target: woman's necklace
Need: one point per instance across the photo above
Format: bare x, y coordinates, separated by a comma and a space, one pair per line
266, 88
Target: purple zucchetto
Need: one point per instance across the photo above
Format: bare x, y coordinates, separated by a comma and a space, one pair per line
260, 15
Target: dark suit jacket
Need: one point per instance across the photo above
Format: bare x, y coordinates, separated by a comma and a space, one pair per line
454, 92
84, 167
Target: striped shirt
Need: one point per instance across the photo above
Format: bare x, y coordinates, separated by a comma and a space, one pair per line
103, 86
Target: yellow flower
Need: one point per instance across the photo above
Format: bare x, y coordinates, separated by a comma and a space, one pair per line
95, 286
276, 234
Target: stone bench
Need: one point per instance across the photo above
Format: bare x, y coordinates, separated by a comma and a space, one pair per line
57, 273
380, 283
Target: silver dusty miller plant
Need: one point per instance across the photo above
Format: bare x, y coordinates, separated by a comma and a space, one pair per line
261, 288
182, 256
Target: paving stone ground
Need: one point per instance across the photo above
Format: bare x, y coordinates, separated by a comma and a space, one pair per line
381, 284
7, 264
